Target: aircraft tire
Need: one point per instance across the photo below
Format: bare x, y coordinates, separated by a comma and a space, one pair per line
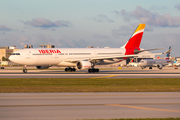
70, 69
24, 70
89, 70
73, 69
93, 70
143, 68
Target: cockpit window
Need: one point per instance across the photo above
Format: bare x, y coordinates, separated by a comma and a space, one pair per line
16, 54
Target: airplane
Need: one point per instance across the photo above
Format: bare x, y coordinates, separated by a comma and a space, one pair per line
160, 63
79, 58
176, 63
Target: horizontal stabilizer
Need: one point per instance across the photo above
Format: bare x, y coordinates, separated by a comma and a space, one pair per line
168, 51
138, 51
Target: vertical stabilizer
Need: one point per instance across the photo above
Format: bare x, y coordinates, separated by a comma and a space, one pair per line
168, 53
135, 40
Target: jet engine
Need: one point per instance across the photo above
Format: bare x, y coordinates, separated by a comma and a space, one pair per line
42, 67
83, 65
159, 66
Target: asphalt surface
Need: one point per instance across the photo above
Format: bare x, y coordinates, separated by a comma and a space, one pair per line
166, 72
68, 106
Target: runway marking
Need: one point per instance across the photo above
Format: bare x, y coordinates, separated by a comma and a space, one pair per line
121, 105
144, 108
105, 76
50, 105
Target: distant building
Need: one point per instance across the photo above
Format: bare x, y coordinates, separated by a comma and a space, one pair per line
12, 47
47, 46
28, 46
6, 51
4, 63
90, 47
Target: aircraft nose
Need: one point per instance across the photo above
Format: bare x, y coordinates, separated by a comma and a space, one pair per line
11, 58
139, 64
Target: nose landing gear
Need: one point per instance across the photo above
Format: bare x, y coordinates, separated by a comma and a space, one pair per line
24, 69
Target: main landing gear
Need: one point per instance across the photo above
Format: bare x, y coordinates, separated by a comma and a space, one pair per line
93, 70
24, 69
70, 69
143, 68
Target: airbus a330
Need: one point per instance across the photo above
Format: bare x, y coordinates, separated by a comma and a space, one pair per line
79, 58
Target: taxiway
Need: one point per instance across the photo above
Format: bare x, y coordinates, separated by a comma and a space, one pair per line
89, 105
117, 73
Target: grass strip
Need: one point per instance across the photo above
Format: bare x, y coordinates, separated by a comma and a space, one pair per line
29, 85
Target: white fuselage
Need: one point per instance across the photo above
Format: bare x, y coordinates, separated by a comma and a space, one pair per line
61, 56
153, 62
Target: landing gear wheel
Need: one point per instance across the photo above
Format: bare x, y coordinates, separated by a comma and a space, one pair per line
70, 69
93, 70
24, 70
143, 68
73, 69
96, 70
89, 70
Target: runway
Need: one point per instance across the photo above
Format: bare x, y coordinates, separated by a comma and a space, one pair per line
70, 106
89, 105
123, 73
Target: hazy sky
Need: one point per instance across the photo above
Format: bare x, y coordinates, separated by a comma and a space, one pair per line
82, 23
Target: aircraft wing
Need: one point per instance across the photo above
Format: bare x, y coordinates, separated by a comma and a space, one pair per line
113, 57
73, 60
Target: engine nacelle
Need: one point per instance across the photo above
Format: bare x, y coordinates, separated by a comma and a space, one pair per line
159, 66
83, 65
42, 67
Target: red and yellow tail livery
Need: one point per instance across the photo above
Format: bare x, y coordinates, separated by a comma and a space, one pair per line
135, 40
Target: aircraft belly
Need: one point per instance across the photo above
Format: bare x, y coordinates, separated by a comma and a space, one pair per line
106, 62
42, 60
65, 64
